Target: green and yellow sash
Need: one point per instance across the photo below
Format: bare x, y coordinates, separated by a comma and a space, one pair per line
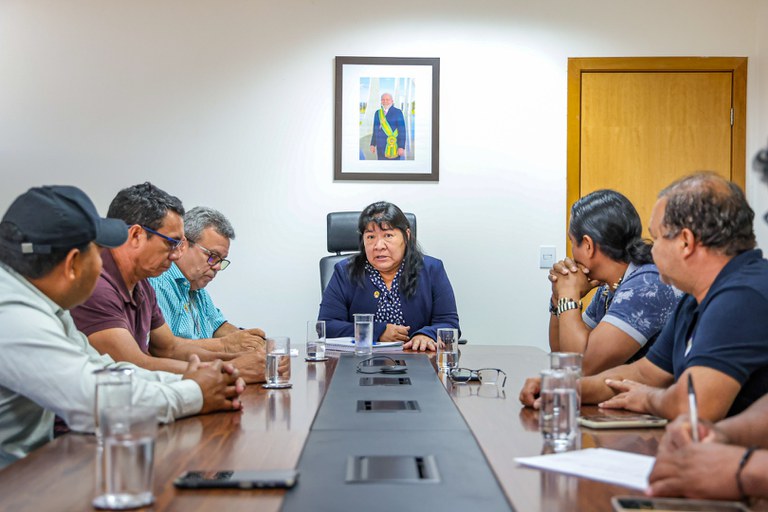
391, 150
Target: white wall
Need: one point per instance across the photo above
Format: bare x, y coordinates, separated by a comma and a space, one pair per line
230, 105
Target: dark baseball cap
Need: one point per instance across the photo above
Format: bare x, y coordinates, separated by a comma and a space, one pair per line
60, 217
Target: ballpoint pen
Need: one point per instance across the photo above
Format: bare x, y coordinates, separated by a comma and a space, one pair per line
693, 410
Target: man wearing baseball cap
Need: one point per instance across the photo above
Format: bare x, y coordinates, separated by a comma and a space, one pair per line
50, 262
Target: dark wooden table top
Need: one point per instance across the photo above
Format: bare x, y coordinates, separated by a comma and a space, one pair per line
270, 433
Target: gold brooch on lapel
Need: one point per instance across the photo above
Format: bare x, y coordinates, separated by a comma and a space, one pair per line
376, 294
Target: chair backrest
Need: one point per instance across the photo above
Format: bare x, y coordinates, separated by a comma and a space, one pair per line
343, 240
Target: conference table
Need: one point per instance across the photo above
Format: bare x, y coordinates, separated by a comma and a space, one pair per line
270, 431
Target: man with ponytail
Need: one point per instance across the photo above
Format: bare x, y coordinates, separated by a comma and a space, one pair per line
631, 305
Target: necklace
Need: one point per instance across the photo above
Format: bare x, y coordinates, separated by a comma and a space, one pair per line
610, 291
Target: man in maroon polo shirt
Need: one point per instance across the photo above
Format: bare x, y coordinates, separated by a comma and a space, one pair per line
122, 317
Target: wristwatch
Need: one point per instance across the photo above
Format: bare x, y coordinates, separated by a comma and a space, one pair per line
565, 304
552, 307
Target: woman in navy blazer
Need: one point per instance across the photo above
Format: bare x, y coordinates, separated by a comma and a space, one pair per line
408, 293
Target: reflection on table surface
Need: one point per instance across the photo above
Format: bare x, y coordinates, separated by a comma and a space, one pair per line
270, 433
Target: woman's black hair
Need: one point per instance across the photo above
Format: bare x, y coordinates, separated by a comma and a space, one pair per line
388, 216
612, 222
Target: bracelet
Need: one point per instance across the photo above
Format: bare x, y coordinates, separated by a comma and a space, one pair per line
743, 462
552, 308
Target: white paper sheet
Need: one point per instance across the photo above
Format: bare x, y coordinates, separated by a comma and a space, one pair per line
347, 344
611, 466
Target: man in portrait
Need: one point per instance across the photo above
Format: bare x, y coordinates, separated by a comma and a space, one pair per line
388, 138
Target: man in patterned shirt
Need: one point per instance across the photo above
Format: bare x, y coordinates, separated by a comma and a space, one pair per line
631, 305
186, 305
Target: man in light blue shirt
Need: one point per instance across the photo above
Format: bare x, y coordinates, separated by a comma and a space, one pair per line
186, 306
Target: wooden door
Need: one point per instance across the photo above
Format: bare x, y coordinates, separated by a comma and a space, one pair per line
637, 124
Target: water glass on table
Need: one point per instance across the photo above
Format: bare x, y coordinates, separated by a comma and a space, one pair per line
447, 349
363, 334
558, 420
129, 448
571, 361
278, 354
316, 341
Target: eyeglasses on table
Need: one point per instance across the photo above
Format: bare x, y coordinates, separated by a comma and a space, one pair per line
460, 390
483, 375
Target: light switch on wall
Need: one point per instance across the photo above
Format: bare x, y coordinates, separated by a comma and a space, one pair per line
547, 256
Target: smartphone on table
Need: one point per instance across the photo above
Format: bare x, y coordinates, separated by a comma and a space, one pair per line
632, 503
246, 479
620, 419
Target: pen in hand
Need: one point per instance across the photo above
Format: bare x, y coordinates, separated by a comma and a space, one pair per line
693, 410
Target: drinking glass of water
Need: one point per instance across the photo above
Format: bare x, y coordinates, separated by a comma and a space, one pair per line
447, 349
363, 334
129, 451
557, 416
569, 361
316, 340
278, 362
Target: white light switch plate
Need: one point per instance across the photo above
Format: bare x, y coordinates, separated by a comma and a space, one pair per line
547, 255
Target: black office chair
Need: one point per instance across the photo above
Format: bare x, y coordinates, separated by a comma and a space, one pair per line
344, 241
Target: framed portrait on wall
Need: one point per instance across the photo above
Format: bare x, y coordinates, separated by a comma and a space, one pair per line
387, 119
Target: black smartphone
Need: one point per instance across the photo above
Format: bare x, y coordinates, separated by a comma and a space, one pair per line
273, 479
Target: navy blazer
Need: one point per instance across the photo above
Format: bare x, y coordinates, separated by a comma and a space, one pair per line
432, 306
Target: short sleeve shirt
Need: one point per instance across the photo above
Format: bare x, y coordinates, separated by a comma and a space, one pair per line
640, 305
111, 306
727, 332
189, 313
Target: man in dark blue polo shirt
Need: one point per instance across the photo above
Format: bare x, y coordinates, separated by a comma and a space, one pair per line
732, 462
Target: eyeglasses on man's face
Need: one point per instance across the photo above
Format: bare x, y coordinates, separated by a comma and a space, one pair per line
173, 243
483, 375
213, 258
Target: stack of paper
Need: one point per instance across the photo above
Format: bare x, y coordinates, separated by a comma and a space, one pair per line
611, 466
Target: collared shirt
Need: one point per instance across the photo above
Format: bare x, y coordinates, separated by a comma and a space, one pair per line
727, 331
47, 370
111, 306
189, 313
